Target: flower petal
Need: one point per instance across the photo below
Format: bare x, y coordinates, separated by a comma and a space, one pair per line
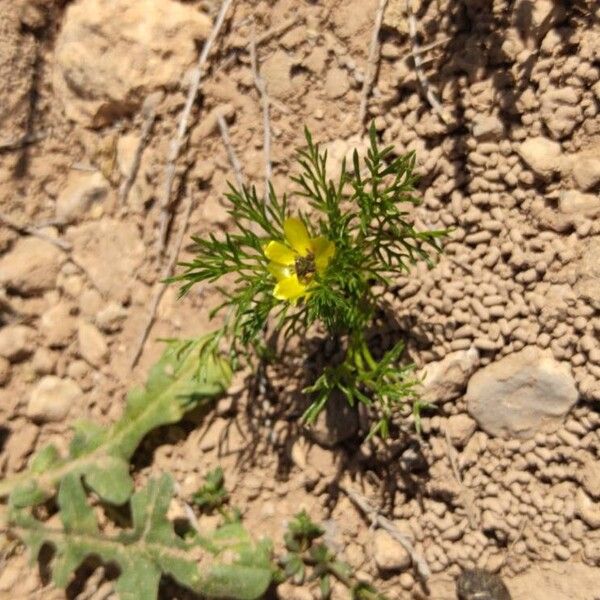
289, 289
323, 251
279, 271
296, 235
279, 253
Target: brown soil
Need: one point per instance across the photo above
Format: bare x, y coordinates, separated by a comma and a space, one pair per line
515, 168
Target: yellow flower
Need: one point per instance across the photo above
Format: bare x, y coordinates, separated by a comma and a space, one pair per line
295, 263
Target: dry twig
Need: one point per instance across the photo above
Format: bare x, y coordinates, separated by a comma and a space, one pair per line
161, 286
28, 230
149, 114
233, 159
178, 141
261, 87
61, 244
378, 520
416, 54
466, 494
372, 62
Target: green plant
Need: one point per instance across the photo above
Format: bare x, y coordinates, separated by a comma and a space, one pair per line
323, 268
213, 496
309, 559
187, 375
224, 564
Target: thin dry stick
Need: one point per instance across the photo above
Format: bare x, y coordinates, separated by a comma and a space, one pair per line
233, 159
149, 113
261, 87
61, 244
278, 30
178, 140
28, 230
465, 494
160, 290
378, 520
429, 94
423, 49
372, 62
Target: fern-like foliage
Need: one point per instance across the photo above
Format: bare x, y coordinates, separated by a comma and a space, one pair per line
224, 564
188, 373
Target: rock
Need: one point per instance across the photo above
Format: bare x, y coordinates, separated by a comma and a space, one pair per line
16, 342
560, 111
4, 371
446, 379
81, 191
109, 242
574, 202
58, 325
92, 345
110, 54
542, 156
43, 361
556, 581
588, 273
389, 554
276, 71
460, 429
20, 443
52, 399
337, 422
487, 128
111, 317
586, 168
477, 584
521, 394
336, 83
30, 267
590, 478
591, 552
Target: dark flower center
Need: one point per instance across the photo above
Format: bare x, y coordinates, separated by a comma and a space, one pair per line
305, 268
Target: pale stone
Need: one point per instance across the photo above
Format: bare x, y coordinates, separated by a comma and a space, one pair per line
30, 267
81, 192
521, 394
52, 398
92, 345
16, 342
110, 54
541, 155
388, 553
446, 379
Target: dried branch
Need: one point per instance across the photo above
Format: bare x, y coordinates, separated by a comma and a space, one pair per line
161, 286
372, 62
378, 520
416, 54
28, 230
465, 494
149, 114
233, 159
261, 87
178, 141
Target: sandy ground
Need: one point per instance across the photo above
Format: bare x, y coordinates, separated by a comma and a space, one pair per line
503, 115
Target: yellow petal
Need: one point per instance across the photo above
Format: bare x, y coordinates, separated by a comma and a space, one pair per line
323, 251
278, 271
289, 289
279, 253
296, 235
